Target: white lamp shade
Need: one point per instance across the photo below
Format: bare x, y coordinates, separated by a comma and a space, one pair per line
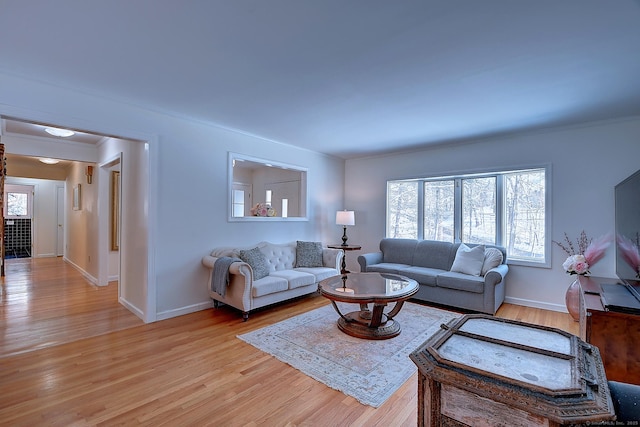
345, 218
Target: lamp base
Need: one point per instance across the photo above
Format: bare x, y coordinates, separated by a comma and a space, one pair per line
344, 236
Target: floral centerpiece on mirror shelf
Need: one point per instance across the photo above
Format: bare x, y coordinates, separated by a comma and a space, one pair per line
582, 256
629, 251
263, 209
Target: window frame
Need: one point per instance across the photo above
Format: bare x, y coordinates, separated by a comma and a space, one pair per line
19, 189
500, 206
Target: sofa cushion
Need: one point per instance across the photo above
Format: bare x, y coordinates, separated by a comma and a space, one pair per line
387, 267
258, 262
295, 278
434, 254
308, 254
422, 275
320, 273
268, 285
468, 260
461, 282
398, 251
492, 258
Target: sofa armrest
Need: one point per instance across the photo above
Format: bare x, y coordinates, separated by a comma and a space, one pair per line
332, 258
366, 260
238, 293
496, 275
209, 261
238, 267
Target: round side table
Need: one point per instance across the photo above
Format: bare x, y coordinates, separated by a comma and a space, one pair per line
345, 248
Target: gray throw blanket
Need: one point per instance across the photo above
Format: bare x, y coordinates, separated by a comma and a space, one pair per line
220, 274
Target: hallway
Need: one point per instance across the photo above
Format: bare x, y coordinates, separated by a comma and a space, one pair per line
45, 302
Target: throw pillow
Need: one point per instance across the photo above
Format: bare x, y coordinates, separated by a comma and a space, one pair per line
469, 260
308, 254
492, 259
258, 262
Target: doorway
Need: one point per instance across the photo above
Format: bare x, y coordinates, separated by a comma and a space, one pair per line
135, 283
18, 235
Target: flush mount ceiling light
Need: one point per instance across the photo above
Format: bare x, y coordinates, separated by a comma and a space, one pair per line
59, 132
48, 160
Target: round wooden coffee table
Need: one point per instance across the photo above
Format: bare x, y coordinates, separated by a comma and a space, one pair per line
378, 289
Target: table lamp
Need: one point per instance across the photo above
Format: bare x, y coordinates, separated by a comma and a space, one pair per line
345, 218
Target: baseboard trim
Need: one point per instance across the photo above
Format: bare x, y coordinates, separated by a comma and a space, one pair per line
163, 315
86, 275
536, 304
132, 308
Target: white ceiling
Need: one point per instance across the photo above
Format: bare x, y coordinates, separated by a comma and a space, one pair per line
345, 77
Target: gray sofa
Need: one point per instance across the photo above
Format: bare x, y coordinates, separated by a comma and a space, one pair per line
429, 263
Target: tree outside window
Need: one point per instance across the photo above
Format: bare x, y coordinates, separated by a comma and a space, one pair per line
506, 208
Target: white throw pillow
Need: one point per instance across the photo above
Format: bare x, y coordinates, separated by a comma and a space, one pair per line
492, 259
469, 260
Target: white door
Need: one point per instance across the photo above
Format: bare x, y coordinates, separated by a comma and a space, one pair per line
60, 221
241, 203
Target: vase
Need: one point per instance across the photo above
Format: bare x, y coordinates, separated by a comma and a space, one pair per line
572, 299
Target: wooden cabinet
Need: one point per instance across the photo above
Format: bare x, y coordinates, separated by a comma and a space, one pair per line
617, 335
479, 370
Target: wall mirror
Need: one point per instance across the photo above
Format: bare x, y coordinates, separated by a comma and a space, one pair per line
265, 190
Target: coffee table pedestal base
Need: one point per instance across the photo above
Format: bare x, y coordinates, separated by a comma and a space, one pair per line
351, 324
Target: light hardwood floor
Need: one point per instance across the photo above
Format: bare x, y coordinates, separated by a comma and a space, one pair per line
70, 355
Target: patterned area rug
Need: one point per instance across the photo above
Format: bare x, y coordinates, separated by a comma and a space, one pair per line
368, 370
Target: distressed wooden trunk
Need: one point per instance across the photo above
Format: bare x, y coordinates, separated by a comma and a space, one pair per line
480, 370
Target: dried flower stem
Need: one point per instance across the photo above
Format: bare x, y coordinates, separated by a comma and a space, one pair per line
582, 242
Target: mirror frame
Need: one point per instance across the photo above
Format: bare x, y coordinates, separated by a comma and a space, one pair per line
267, 163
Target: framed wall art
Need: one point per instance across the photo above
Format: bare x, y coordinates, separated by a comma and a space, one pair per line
77, 197
115, 210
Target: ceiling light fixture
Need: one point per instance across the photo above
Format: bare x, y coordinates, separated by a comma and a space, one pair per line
59, 132
48, 161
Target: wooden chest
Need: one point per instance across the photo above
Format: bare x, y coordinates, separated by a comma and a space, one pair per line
480, 370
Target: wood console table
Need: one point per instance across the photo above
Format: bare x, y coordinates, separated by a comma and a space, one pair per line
617, 335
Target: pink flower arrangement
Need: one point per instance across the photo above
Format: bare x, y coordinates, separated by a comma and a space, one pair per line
588, 252
263, 209
629, 252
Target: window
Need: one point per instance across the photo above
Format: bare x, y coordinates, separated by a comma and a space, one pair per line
19, 200
506, 208
402, 209
17, 204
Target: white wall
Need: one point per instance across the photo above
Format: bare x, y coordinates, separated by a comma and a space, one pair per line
81, 247
45, 225
587, 162
185, 215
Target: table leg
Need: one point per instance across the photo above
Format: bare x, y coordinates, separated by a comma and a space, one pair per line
376, 315
395, 310
344, 263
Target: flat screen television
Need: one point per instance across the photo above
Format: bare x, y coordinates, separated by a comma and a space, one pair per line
627, 213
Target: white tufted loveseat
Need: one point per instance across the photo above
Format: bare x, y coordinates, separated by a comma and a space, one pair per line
284, 280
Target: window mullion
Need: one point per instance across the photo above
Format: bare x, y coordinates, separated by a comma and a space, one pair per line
420, 209
457, 210
500, 222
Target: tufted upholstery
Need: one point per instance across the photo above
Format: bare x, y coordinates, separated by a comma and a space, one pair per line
283, 282
280, 257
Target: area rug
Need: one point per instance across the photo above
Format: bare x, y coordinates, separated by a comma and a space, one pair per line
368, 370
